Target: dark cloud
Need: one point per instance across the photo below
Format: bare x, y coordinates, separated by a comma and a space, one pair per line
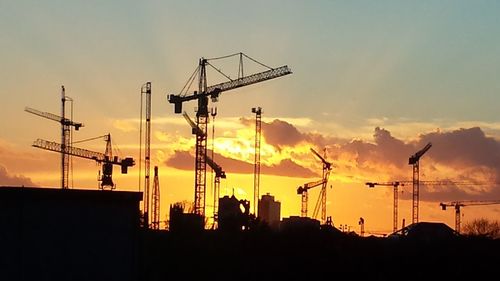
465, 154
185, 161
288, 168
13, 180
464, 147
181, 160
469, 153
279, 133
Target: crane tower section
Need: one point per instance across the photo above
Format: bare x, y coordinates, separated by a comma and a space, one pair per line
327, 167
201, 95
155, 224
414, 161
256, 174
146, 95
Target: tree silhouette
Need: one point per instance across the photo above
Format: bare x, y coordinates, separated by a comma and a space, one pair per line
483, 227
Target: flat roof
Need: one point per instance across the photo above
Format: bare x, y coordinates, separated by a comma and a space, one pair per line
68, 194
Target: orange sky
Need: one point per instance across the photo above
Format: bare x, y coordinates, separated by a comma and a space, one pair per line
288, 163
372, 83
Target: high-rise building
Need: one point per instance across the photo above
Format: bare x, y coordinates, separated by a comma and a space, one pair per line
270, 210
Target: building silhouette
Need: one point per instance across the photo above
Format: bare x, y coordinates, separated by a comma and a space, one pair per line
54, 234
269, 211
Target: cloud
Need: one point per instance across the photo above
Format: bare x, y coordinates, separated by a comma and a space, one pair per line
288, 168
464, 147
280, 133
462, 155
13, 180
185, 161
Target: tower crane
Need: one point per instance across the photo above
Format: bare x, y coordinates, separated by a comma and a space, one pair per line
327, 167
219, 172
396, 184
414, 161
458, 204
106, 159
146, 96
66, 125
256, 171
303, 191
201, 95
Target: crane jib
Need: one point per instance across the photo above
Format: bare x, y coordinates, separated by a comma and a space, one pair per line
215, 90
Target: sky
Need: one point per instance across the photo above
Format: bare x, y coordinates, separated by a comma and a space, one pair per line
372, 82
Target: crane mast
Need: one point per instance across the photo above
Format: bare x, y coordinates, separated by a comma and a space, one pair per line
65, 143
395, 185
327, 167
155, 224
256, 172
458, 204
219, 172
303, 191
414, 161
202, 95
146, 93
216, 180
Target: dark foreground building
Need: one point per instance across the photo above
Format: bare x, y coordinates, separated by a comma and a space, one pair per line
54, 234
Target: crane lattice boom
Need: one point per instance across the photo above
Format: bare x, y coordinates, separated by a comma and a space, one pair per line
54, 117
215, 90
84, 153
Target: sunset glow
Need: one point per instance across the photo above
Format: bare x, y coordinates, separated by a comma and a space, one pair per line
364, 90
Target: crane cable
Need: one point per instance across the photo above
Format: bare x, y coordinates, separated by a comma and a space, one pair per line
89, 139
189, 82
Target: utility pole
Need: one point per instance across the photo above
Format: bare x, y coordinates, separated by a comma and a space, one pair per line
256, 171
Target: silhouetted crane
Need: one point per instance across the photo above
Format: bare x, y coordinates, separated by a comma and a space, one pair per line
327, 167
303, 191
146, 96
219, 173
201, 95
256, 171
459, 204
106, 159
414, 161
66, 125
396, 184
155, 222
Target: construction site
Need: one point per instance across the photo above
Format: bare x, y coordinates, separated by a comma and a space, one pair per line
69, 233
